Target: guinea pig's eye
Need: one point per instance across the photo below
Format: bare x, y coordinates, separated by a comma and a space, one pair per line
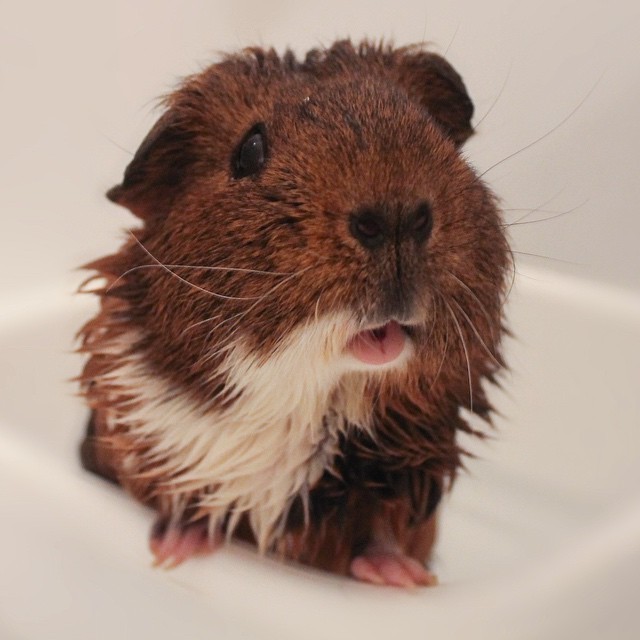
251, 153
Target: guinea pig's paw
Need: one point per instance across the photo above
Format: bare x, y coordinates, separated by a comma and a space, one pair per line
391, 568
172, 544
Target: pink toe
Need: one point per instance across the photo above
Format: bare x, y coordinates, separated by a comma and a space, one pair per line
174, 545
187, 545
363, 569
394, 572
418, 571
390, 568
162, 547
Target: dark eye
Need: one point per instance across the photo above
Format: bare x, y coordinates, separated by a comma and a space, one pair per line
251, 153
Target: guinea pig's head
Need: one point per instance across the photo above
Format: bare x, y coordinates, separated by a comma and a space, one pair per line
322, 208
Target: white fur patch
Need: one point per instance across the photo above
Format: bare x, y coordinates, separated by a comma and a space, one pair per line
272, 443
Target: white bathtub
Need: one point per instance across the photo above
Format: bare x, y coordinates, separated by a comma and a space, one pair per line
541, 539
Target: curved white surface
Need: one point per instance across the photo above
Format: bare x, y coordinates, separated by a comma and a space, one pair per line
540, 539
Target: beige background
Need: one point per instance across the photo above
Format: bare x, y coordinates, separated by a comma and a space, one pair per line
79, 81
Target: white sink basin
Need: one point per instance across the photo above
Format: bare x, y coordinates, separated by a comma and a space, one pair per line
540, 539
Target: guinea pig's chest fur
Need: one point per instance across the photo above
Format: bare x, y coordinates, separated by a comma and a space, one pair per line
253, 454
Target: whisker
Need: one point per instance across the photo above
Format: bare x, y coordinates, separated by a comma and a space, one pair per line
433, 324
514, 272
453, 37
242, 314
475, 330
473, 294
542, 204
444, 351
185, 281
528, 210
200, 322
118, 145
537, 255
238, 315
199, 267
558, 214
548, 133
466, 351
497, 98
424, 31
227, 346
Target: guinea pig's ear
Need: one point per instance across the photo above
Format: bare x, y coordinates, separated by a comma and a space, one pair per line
157, 173
431, 80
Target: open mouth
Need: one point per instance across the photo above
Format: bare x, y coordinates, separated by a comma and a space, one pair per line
379, 345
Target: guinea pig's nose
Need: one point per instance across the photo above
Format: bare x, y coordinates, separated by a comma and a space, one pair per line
420, 222
369, 228
374, 226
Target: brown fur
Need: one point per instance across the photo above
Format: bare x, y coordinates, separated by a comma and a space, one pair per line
348, 127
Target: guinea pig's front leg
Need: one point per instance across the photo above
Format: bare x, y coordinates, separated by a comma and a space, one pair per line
385, 561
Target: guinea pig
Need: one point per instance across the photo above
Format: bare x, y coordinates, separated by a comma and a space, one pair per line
285, 346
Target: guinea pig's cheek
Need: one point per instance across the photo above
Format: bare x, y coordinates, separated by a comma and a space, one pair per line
384, 347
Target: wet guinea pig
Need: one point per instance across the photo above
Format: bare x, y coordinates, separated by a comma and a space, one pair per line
285, 345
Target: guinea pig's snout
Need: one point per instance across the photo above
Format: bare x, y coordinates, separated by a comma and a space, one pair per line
395, 237
374, 227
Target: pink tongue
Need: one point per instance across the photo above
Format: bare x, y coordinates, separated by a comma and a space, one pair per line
378, 346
